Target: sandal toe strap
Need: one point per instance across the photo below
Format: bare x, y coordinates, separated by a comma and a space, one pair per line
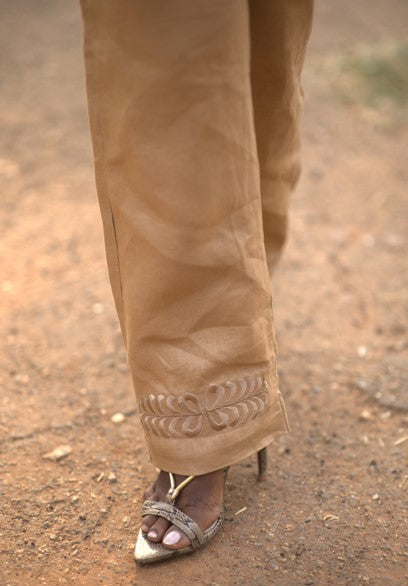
178, 518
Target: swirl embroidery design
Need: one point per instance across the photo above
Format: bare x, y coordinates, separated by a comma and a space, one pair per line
228, 405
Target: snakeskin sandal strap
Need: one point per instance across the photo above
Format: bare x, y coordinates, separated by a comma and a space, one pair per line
178, 518
147, 552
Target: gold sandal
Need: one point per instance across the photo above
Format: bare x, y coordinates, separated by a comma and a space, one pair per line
147, 552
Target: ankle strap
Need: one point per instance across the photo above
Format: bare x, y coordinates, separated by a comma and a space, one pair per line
174, 490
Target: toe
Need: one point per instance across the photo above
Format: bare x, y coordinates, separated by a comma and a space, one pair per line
158, 529
174, 538
147, 522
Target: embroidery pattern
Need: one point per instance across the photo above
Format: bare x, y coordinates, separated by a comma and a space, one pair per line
228, 405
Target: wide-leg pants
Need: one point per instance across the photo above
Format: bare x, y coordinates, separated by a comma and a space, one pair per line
194, 108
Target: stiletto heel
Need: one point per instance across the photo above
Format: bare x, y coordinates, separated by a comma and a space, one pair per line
262, 462
147, 552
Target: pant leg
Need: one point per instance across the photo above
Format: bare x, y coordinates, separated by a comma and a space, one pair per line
280, 30
170, 107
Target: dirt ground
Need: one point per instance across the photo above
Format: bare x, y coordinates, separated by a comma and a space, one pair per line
334, 507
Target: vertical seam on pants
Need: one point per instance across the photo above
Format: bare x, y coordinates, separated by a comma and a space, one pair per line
252, 134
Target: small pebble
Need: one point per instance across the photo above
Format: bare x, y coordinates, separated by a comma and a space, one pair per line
112, 477
365, 415
330, 517
118, 418
58, 453
362, 384
362, 351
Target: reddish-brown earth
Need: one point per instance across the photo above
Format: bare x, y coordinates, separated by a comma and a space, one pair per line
334, 507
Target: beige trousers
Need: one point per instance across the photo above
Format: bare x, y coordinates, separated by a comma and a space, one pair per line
194, 109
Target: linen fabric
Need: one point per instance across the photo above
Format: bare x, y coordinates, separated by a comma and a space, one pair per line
194, 109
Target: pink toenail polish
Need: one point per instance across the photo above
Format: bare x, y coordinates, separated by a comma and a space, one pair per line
172, 538
152, 534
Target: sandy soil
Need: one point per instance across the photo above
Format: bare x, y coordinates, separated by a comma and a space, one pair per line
334, 507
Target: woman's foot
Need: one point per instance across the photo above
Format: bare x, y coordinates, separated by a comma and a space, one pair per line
201, 499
